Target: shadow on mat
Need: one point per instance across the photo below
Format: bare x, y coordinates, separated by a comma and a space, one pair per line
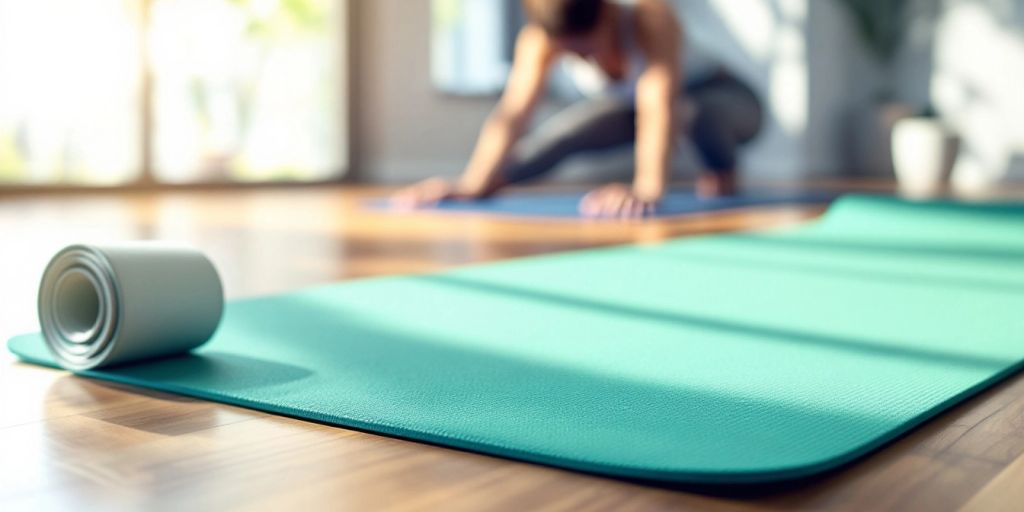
214, 369
552, 411
768, 333
842, 271
1005, 255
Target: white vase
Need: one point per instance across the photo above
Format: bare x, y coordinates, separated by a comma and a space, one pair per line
923, 152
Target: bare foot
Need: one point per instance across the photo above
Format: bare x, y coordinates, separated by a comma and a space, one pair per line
716, 184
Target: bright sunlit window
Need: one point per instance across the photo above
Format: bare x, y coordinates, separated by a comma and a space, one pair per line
109, 92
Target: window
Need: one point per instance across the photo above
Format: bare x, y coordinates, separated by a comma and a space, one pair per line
111, 92
472, 44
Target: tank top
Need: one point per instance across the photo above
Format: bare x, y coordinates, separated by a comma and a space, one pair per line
591, 80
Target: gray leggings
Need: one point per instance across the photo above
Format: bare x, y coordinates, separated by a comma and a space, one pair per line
728, 115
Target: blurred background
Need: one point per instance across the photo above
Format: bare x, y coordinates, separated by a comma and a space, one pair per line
851, 85
144, 92
117, 92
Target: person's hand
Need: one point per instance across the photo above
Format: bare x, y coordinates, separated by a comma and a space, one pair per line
616, 201
427, 193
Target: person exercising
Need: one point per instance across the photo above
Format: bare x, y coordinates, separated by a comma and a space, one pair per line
643, 86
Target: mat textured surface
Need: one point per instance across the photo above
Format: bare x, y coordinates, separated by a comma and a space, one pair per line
676, 203
725, 359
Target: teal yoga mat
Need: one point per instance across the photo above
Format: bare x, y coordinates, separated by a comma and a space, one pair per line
725, 359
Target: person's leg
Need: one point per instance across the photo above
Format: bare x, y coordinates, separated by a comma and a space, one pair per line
590, 125
728, 115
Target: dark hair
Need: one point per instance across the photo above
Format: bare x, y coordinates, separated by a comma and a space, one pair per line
564, 17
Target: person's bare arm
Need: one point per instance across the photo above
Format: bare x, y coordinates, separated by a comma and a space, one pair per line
660, 36
534, 53
661, 40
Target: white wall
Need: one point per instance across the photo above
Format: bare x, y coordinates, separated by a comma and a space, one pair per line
978, 86
403, 128
766, 46
809, 66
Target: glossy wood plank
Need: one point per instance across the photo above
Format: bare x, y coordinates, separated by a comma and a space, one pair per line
68, 443
1004, 493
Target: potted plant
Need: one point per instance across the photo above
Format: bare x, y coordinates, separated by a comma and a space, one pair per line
923, 154
897, 137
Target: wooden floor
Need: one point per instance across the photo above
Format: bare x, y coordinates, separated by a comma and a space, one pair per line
69, 443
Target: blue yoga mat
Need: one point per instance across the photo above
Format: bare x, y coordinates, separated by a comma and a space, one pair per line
676, 203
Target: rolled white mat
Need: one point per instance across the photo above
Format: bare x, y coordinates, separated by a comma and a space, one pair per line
114, 304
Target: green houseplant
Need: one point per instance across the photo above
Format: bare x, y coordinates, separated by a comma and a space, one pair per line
913, 143
881, 24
